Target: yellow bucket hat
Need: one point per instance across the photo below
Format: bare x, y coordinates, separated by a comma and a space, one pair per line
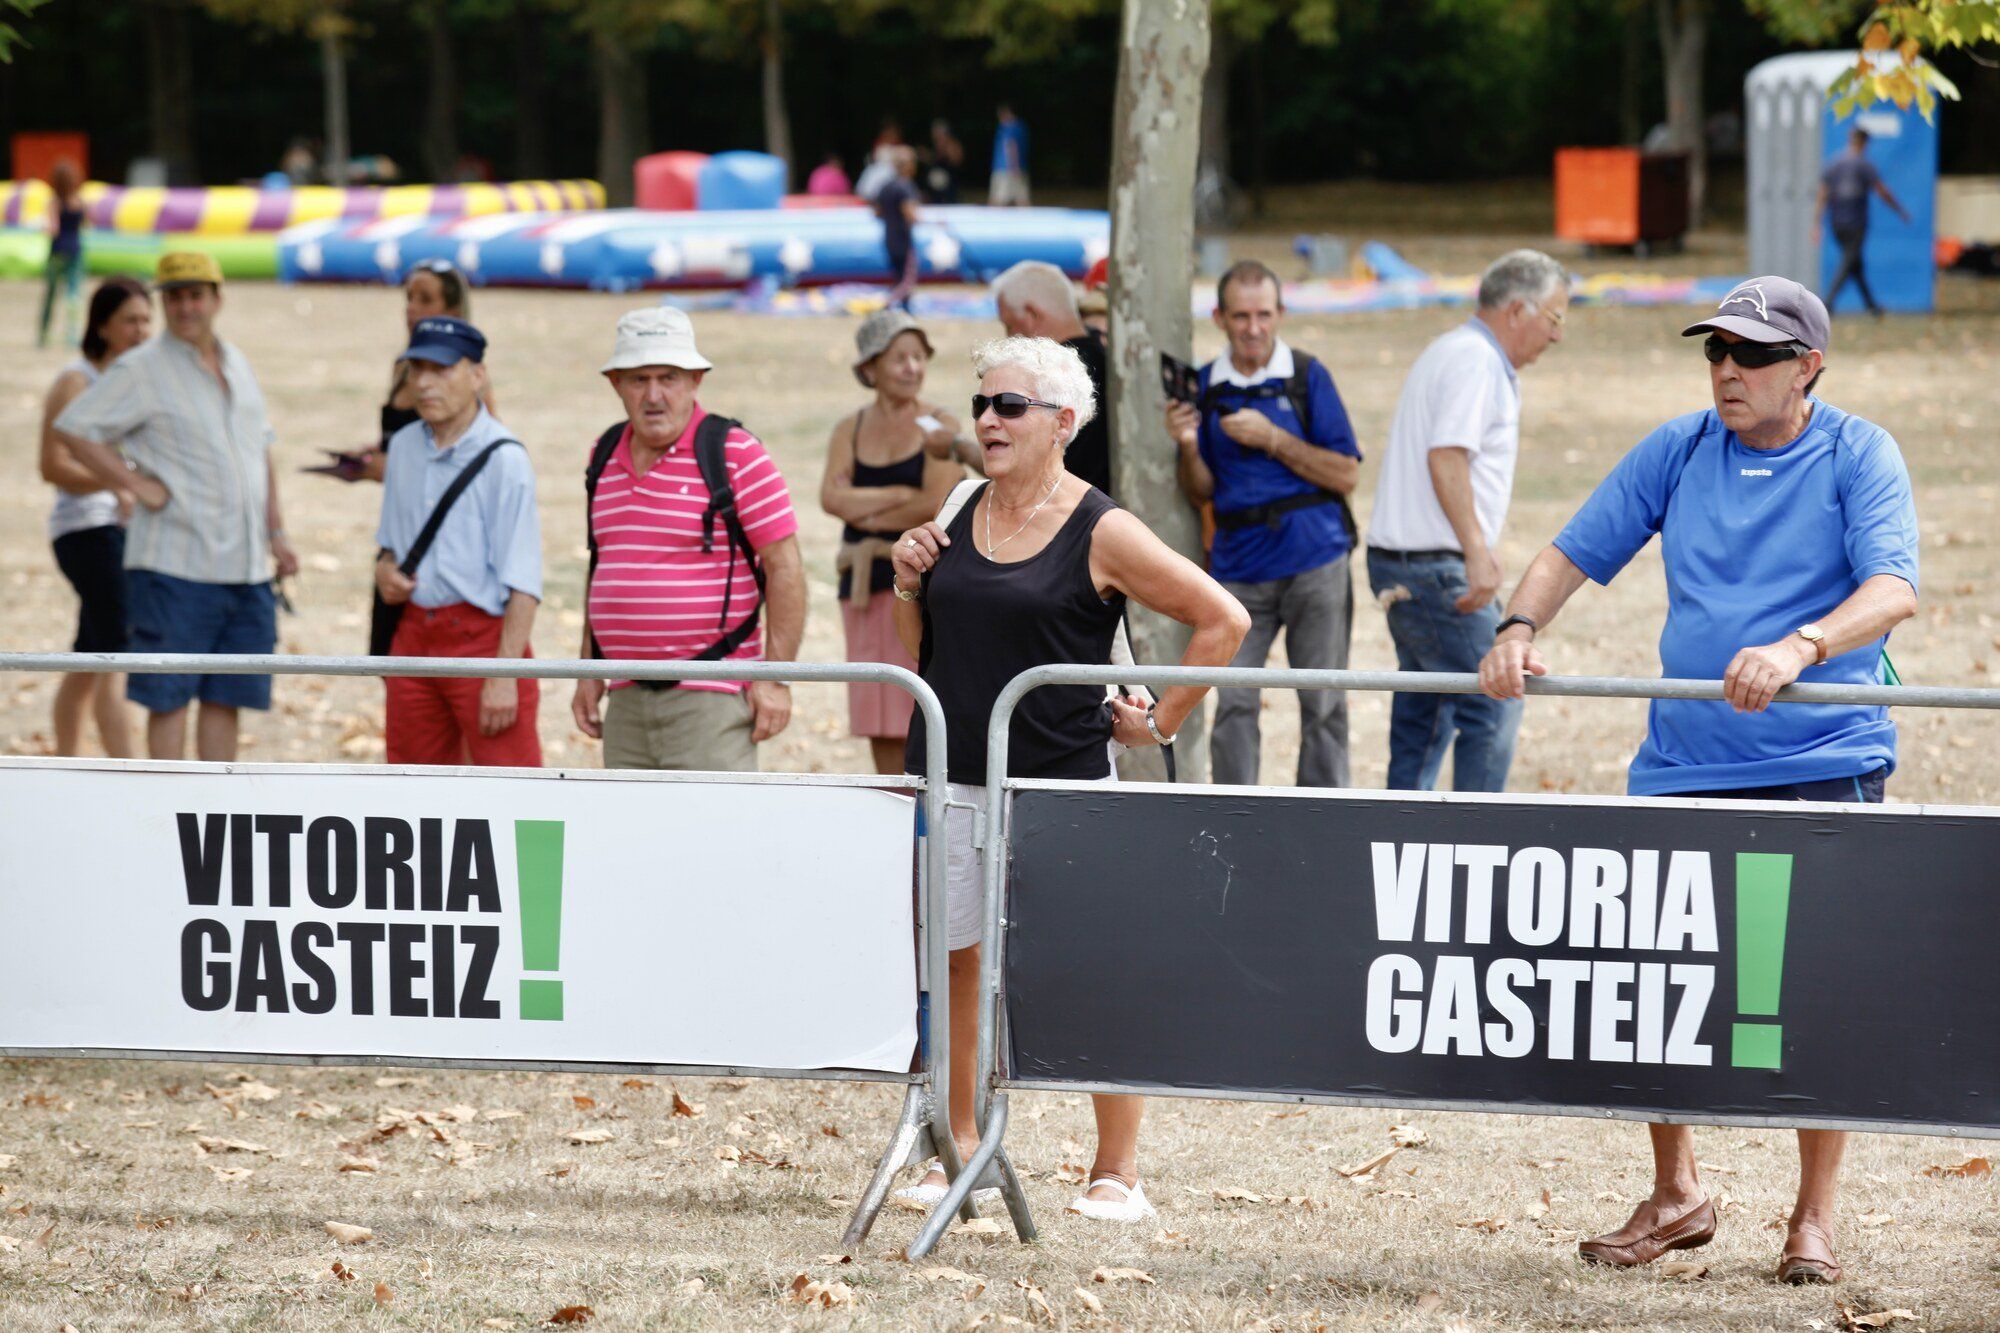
182, 268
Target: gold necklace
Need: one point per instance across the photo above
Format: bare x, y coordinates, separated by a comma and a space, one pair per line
993, 547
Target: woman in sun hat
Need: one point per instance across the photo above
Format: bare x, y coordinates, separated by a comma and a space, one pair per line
880, 480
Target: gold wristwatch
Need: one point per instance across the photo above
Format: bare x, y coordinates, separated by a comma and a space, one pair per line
1815, 636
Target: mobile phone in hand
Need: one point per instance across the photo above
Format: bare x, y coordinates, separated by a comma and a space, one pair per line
1181, 381
928, 423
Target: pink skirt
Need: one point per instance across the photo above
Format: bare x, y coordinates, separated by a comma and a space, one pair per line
872, 709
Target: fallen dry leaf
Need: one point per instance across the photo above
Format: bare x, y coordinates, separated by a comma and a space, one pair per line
897, 1201
694, 1286
498, 1323
251, 1090
831, 1131
358, 1164
1971, 1166
1492, 1226
349, 1234
1088, 1301
8, 1245
583, 1103
1540, 1208
214, 1145
1109, 1275
805, 1290
503, 1113
833, 1258
7, 1160
1850, 1319
231, 1174
685, 1108
1164, 1237
1876, 1219
590, 1136
342, 1271
1236, 1194
1069, 1173
1687, 1270
1429, 1301
946, 1273
382, 1293
1408, 1136
397, 1081
636, 1084
978, 1226
424, 1270
573, 1314
1368, 1167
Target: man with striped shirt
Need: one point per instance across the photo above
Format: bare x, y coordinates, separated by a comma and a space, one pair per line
191, 421
665, 590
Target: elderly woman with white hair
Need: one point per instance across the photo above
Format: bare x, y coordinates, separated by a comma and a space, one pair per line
1037, 568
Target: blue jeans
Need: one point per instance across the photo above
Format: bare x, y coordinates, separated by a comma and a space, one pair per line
1418, 593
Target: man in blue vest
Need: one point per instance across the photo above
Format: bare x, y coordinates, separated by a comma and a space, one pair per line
1790, 543
1270, 446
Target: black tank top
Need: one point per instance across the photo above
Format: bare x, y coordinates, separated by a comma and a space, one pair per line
985, 623
909, 472
394, 419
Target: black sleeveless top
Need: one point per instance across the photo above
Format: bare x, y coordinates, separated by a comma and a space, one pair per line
985, 623
909, 472
395, 418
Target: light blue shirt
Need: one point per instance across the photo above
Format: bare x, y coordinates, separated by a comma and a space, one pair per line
1756, 543
491, 542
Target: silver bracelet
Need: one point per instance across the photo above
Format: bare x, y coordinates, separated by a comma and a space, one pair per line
1154, 727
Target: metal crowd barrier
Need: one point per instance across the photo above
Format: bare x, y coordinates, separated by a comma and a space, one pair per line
990, 1098
923, 1126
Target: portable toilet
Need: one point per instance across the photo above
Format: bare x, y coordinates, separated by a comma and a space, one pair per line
1793, 134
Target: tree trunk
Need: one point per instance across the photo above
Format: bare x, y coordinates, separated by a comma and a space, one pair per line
1683, 37
170, 89
531, 138
1259, 123
1632, 57
333, 74
441, 96
621, 113
777, 122
1154, 145
1214, 160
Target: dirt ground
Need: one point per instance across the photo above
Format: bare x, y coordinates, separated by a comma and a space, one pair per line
115, 1218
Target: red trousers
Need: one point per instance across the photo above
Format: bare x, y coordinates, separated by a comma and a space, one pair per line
435, 720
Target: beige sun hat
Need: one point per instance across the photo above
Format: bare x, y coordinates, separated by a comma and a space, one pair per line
656, 336
877, 332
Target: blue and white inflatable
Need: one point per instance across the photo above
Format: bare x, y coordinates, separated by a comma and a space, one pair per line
624, 249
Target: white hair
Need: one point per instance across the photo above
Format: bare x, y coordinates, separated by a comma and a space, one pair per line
1520, 275
1057, 372
1038, 282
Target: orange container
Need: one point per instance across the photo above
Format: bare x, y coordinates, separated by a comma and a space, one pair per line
1620, 196
36, 153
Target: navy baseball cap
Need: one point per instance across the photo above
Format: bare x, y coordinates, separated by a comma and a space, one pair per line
445, 341
1768, 310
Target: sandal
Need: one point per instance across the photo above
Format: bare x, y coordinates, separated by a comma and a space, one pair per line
929, 1193
1133, 1206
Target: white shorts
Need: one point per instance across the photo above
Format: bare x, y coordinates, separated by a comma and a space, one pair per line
964, 882
1007, 188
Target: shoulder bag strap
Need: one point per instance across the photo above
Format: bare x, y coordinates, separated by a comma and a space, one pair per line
422, 545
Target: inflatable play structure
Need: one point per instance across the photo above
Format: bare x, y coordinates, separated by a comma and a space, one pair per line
237, 210
624, 249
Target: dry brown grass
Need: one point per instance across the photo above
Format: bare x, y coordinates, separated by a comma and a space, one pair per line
147, 1234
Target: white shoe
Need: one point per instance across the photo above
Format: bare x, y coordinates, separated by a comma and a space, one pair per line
929, 1193
1132, 1207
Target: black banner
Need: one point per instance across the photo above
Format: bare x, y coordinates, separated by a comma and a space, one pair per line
1754, 963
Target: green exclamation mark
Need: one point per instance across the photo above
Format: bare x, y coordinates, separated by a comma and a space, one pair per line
538, 861
1763, 894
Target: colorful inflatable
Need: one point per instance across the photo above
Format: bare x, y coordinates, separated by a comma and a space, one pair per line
628, 248
24, 253
237, 210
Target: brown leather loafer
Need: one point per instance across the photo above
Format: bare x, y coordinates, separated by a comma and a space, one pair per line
1691, 1230
1796, 1270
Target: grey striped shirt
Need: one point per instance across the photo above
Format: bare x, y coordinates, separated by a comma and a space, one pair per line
211, 449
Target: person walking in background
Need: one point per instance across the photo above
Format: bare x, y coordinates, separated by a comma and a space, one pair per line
946, 165
1037, 568
880, 479
1789, 537
1009, 183
62, 276
473, 588
1035, 300
1271, 446
896, 206
1441, 502
208, 528
829, 179
1844, 188
87, 524
692, 535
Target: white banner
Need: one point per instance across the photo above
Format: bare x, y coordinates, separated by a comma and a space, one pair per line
461, 914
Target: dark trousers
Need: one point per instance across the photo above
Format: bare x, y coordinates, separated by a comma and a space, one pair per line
1851, 243
1868, 789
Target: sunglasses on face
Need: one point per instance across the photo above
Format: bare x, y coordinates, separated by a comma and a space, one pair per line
1749, 355
440, 267
1007, 406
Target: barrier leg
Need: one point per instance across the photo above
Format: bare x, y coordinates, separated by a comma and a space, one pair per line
959, 1195
1011, 1192
913, 1135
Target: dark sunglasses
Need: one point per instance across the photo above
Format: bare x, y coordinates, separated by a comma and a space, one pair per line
441, 267
1007, 406
1749, 355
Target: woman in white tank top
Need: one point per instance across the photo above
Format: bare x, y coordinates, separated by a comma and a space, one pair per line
87, 524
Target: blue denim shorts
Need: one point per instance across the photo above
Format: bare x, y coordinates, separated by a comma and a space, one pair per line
174, 615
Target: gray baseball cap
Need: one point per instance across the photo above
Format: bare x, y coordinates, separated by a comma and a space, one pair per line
1768, 310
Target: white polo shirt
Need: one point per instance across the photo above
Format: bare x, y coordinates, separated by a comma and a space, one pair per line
1461, 394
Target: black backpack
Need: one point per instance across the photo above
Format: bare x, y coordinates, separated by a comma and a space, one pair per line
710, 439
1298, 392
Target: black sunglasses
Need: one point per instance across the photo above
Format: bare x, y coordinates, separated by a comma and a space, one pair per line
1008, 406
1749, 355
438, 266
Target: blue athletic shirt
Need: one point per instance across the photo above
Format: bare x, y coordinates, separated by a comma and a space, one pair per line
1756, 543
1245, 478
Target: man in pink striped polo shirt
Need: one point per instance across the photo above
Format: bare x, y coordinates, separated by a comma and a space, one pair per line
662, 588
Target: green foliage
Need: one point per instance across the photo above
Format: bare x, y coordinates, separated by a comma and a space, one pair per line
310, 18
10, 36
1895, 38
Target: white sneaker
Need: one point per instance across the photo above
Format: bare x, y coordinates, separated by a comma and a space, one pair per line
1133, 1206
930, 1191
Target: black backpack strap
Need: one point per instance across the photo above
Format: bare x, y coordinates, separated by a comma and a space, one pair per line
711, 439
600, 457
428, 534
1298, 390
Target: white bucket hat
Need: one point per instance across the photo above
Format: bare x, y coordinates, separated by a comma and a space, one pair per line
657, 336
